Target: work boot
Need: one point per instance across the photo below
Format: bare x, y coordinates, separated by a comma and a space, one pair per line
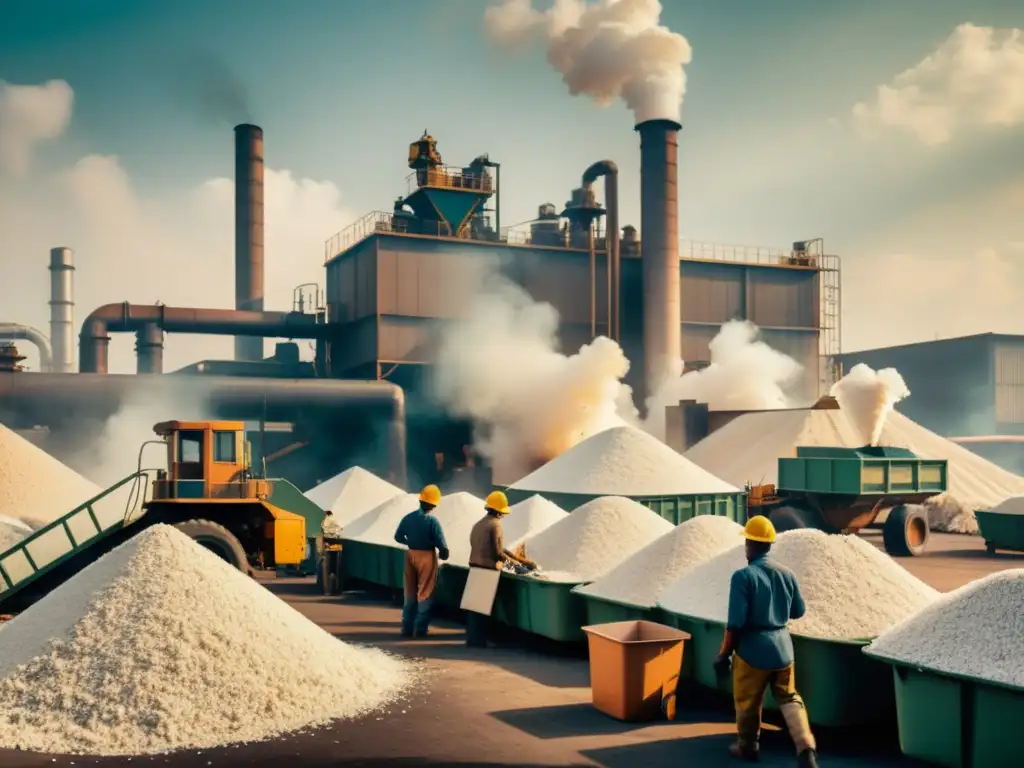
807, 759
742, 751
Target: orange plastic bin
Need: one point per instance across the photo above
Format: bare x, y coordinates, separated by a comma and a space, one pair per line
634, 667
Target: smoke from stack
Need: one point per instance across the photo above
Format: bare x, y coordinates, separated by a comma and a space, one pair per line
499, 365
867, 396
249, 289
606, 50
745, 374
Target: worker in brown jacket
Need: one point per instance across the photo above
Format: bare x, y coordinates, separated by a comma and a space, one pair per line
487, 550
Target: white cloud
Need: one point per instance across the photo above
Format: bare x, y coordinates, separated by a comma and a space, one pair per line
135, 247
973, 79
30, 114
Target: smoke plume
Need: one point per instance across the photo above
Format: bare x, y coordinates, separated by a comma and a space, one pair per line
206, 84
745, 374
499, 365
867, 397
606, 50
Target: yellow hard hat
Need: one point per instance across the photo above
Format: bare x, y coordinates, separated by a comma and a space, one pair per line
497, 501
431, 494
759, 528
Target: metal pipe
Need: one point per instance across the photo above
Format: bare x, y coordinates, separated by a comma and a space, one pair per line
659, 251
249, 290
94, 339
593, 281
62, 308
15, 331
149, 348
610, 171
55, 399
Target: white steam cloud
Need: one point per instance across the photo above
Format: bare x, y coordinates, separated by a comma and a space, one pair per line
499, 366
115, 453
867, 396
30, 115
744, 374
607, 50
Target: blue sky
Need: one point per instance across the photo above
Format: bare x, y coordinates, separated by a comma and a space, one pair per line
769, 151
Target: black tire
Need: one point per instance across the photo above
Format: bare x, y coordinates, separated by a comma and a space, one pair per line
792, 519
218, 540
905, 533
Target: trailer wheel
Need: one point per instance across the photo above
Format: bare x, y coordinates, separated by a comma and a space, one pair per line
218, 540
905, 533
791, 519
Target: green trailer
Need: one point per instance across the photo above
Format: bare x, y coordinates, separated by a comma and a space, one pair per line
842, 490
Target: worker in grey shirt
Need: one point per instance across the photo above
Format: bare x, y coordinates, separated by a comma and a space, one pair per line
763, 597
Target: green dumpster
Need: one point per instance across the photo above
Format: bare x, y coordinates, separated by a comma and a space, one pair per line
1001, 530
355, 562
510, 606
675, 509
602, 610
554, 610
956, 721
840, 686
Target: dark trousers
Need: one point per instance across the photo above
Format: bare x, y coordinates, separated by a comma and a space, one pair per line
477, 629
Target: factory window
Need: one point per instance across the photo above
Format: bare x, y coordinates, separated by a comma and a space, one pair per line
190, 447
224, 447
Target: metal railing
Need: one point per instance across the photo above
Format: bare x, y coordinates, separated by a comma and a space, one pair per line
449, 177
746, 254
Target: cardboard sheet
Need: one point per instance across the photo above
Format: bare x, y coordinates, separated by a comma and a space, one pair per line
481, 589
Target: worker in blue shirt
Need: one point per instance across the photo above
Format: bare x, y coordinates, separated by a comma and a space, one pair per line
763, 597
421, 533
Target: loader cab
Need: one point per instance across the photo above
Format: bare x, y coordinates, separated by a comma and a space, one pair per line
206, 460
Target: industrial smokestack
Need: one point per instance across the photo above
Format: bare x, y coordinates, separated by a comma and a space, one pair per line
659, 250
62, 309
248, 232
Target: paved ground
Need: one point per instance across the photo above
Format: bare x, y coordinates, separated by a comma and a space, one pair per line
522, 704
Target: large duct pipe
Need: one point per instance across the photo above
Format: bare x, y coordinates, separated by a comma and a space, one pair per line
62, 308
54, 399
659, 251
149, 348
94, 338
248, 232
610, 171
14, 331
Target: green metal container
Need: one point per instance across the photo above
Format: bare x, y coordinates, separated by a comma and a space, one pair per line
956, 721
868, 471
355, 561
1001, 530
601, 610
451, 582
675, 509
840, 686
549, 609
289, 498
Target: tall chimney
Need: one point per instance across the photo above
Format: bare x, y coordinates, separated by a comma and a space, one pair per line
62, 309
659, 250
248, 232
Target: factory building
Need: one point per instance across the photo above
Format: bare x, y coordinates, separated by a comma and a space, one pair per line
969, 389
392, 281
393, 278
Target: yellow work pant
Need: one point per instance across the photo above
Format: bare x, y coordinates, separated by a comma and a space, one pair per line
748, 687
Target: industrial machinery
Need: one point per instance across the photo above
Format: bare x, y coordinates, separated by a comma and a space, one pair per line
208, 491
842, 490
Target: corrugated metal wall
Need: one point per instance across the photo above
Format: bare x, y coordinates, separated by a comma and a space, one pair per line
951, 382
420, 281
1009, 386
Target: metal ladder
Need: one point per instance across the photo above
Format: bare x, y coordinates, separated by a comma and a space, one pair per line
39, 553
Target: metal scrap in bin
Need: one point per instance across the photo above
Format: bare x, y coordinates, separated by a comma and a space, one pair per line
634, 668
